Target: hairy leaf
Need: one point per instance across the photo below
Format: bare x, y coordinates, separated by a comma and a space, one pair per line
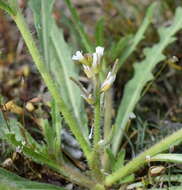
57, 56
142, 75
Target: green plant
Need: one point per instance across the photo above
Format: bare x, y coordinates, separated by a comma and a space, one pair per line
103, 155
11, 181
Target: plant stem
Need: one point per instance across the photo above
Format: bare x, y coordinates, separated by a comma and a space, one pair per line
78, 177
96, 162
97, 117
141, 160
107, 114
70, 120
107, 124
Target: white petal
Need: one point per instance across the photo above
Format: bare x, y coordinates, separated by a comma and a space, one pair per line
87, 71
95, 60
109, 80
74, 57
100, 51
108, 75
112, 79
104, 84
132, 115
78, 56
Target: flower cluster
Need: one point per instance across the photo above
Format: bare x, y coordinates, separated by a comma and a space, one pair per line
92, 65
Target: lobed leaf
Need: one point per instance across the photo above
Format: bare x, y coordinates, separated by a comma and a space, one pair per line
142, 75
138, 36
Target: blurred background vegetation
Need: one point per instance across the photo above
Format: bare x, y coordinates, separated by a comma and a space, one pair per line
159, 111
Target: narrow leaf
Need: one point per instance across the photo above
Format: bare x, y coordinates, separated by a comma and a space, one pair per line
9, 181
79, 27
175, 158
99, 32
64, 69
139, 35
7, 8
57, 56
118, 47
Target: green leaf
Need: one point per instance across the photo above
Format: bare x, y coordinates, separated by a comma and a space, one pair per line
79, 27
111, 156
127, 179
142, 75
49, 135
99, 32
119, 160
168, 188
57, 55
57, 125
175, 158
10, 181
139, 35
66, 69
43, 24
38, 155
3, 125
7, 8
118, 47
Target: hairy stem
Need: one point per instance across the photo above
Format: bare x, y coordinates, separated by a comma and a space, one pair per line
96, 162
107, 114
97, 118
70, 120
107, 124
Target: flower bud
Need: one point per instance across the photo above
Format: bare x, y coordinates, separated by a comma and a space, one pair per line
88, 71
99, 51
108, 82
89, 98
78, 56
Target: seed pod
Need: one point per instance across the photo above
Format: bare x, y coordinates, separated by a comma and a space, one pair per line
157, 170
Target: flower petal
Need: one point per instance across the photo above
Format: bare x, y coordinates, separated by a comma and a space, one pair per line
78, 56
88, 71
95, 60
99, 51
108, 82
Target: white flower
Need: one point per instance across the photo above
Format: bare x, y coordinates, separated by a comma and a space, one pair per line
78, 56
88, 71
95, 60
99, 51
108, 82
132, 115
